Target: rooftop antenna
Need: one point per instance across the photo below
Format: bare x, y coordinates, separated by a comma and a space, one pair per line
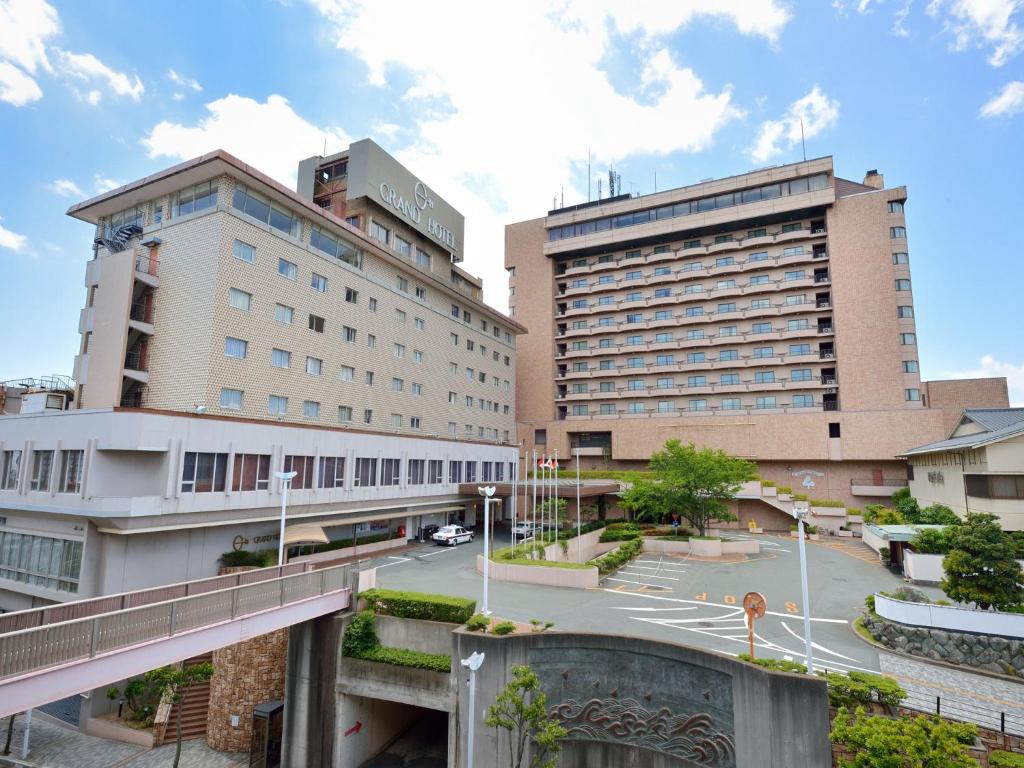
631, 189
554, 201
588, 174
325, 147
655, 181
599, 182
563, 196
802, 144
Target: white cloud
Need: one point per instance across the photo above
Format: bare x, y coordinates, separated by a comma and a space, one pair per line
899, 20
86, 67
26, 25
104, 184
989, 367
17, 88
65, 188
982, 23
500, 123
818, 113
269, 135
184, 82
1008, 102
12, 240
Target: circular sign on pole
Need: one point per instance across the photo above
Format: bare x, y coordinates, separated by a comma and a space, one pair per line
754, 606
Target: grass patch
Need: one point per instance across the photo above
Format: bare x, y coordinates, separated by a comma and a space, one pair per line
860, 629
708, 538
675, 538
541, 563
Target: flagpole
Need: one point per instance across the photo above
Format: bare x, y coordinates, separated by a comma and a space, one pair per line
515, 478
534, 470
543, 489
579, 528
555, 502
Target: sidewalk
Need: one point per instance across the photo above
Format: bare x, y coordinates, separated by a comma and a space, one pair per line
54, 746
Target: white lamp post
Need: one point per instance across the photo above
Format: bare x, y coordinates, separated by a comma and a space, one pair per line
800, 511
286, 480
487, 492
473, 663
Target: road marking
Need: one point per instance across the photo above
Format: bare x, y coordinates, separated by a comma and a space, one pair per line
720, 605
821, 648
730, 600
703, 596
652, 610
401, 559
437, 552
666, 570
648, 575
398, 561
791, 608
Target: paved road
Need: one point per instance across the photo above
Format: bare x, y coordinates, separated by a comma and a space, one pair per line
699, 603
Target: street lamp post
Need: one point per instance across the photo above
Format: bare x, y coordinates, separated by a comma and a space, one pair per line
286, 480
800, 512
473, 663
487, 492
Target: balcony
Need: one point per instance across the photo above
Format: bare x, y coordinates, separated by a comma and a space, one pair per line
874, 486
146, 268
821, 277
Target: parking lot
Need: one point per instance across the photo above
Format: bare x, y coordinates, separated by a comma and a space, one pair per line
685, 600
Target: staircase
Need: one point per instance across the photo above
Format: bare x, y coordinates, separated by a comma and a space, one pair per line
194, 709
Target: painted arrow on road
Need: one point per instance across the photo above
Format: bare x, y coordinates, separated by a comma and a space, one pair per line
355, 728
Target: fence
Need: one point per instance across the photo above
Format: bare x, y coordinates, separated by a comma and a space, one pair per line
955, 708
53, 644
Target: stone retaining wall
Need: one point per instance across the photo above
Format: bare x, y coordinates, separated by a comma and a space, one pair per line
986, 652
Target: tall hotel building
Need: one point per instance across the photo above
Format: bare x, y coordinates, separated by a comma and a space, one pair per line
232, 329
769, 314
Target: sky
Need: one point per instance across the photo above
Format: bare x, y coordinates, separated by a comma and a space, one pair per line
496, 107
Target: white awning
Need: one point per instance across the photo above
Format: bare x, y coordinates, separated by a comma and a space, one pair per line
304, 533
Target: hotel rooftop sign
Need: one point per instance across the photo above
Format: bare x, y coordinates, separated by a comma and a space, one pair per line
376, 175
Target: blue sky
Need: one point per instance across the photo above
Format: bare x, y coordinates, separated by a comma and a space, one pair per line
497, 107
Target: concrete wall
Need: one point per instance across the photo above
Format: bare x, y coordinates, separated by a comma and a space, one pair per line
580, 548
753, 717
576, 578
950, 617
415, 634
310, 699
922, 568
955, 395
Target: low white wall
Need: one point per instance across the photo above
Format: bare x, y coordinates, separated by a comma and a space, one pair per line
923, 568
577, 578
739, 547
362, 549
588, 545
950, 617
872, 540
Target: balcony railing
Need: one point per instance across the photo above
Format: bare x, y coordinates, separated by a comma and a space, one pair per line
146, 264
827, 354
830, 405
134, 399
824, 278
886, 482
135, 360
142, 310
824, 329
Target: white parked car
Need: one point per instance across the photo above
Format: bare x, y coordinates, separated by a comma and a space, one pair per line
452, 535
524, 530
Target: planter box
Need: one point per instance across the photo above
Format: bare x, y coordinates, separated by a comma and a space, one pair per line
578, 578
785, 497
829, 511
706, 547
769, 491
741, 547
844, 534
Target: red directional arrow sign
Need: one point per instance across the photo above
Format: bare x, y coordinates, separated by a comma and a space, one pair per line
355, 728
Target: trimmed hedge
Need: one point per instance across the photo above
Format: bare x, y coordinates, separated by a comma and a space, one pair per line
478, 622
420, 605
778, 664
504, 628
856, 687
345, 543
618, 557
264, 558
403, 657
1001, 759
827, 503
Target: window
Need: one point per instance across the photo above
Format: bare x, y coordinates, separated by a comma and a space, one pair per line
761, 328
435, 468
235, 348
231, 399
698, 405
904, 312
799, 349
369, 378
42, 463
605, 280
332, 472
797, 274
634, 296
662, 293
470, 345
10, 471
666, 383
723, 284
422, 258
913, 395
402, 284
662, 338
319, 283
316, 324
371, 341
726, 308
760, 304
400, 316
795, 300
194, 199
834, 429
692, 244
582, 303
283, 314
797, 325
728, 354
634, 317
898, 233
758, 279
366, 473
635, 362
731, 404
277, 405
367, 415
995, 486
694, 334
399, 350
606, 365
766, 401
792, 227
416, 389
280, 358
345, 414
606, 409
311, 409
762, 352
580, 283
666, 359
404, 247
803, 401
693, 288
397, 385
287, 269
900, 258
416, 471
637, 408
636, 385
40, 560
421, 293
908, 339
455, 471
725, 261
895, 206
902, 285
348, 373
380, 233
666, 406
796, 250
348, 334
910, 366
800, 374
603, 301
239, 299
336, 248
314, 365
203, 472
759, 256
764, 377
244, 252
694, 311
635, 274
580, 410
695, 357
634, 340
729, 379
390, 471
697, 381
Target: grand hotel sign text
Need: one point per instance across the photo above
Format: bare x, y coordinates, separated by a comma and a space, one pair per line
414, 209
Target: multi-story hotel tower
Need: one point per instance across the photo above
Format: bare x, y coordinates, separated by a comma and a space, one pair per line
769, 314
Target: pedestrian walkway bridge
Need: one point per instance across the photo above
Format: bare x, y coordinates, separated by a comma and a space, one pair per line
57, 651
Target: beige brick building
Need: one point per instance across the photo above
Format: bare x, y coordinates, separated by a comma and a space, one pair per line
770, 314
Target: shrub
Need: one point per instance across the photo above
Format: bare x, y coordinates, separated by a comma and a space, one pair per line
845, 690
477, 623
799, 497
883, 553
777, 664
504, 628
618, 557
360, 636
541, 626
827, 503
264, 558
420, 605
853, 511
869, 602
403, 657
908, 595
938, 514
882, 742
785, 489
619, 533
767, 483
1001, 759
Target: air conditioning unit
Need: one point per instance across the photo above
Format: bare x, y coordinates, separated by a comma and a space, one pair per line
828, 355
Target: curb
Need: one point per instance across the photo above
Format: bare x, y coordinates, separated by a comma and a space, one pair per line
934, 662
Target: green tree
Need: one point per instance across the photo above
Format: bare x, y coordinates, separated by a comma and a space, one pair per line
695, 482
938, 514
930, 541
174, 682
645, 501
521, 709
906, 505
920, 742
980, 567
